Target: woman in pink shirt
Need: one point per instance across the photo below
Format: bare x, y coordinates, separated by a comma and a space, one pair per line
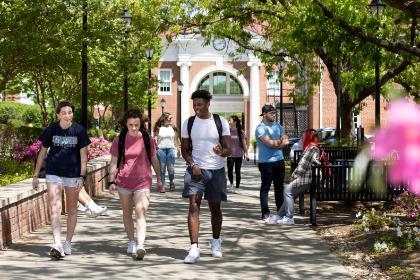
132, 152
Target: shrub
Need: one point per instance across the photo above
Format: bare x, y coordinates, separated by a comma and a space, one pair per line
373, 220
111, 135
28, 114
14, 124
98, 147
12, 171
23, 153
410, 204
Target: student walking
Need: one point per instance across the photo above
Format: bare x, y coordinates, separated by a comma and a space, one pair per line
238, 148
168, 145
132, 152
270, 140
66, 166
301, 179
205, 142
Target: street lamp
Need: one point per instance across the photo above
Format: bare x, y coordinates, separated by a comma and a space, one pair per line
126, 17
84, 67
162, 104
376, 8
149, 55
282, 66
178, 113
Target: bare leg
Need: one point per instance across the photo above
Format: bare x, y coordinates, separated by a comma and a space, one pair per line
216, 218
71, 202
194, 217
54, 199
141, 204
127, 207
84, 197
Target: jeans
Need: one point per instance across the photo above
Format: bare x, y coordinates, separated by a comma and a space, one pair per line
237, 162
167, 161
271, 172
289, 195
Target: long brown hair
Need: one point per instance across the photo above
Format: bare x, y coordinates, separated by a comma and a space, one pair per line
165, 116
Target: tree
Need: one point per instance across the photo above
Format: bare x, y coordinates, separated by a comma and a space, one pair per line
340, 32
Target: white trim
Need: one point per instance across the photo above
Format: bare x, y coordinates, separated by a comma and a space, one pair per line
165, 93
219, 68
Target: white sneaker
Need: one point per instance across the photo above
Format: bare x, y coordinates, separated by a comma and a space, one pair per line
273, 219
230, 188
286, 221
140, 252
95, 213
67, 247
216, 247
81, 208
132, 247
57, 251
236, 190
193, 255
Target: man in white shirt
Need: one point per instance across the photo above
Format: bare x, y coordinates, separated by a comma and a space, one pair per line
205, 174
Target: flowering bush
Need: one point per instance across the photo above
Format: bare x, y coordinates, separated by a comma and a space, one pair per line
410, 204
23, 153
402, 238
401, 138
372, 220
98, 147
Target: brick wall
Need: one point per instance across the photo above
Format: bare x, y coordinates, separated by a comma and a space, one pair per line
24, 210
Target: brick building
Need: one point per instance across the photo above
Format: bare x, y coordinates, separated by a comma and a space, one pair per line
240, 85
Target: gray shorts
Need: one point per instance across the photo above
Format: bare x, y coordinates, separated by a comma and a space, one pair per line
125, 191
212, 184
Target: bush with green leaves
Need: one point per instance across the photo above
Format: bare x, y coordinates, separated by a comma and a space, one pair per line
12, 171
28, 114
372, 220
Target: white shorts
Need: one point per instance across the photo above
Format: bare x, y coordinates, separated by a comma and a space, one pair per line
64, 181
125, 191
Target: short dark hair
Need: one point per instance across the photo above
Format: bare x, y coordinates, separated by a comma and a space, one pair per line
62, 104
201, 93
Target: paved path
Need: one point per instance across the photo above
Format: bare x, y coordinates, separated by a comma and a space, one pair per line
252, 249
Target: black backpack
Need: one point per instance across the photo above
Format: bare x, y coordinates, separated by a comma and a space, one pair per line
217, 121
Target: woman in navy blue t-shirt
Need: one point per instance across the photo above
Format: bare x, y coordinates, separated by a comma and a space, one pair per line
66, 143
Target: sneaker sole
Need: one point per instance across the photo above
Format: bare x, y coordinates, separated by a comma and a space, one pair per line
56, 254
191, 262
140, 254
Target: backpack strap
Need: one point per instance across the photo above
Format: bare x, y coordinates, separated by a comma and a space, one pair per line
189, 128
146, 140
219, 126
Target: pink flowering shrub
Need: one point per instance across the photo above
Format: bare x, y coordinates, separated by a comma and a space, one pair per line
400, 143
23, 153
99, 147
410, 204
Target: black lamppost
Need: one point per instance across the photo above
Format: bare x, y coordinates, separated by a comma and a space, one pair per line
84, 67
282, 65
163, 104
126, 17
149, 55
376, 8
178, 113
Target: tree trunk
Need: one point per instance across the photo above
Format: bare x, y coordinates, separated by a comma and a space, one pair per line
346, 120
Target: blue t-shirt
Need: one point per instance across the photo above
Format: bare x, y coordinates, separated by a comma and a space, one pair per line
64, 145
274, 132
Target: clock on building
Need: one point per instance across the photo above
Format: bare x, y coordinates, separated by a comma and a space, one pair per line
219, 44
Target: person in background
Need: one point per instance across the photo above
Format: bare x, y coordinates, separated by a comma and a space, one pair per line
271, 139
239, 148
301, 179
203, 148
298, 146
130, 174
168, 148
65, 168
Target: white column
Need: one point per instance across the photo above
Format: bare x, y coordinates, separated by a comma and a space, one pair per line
185, 94
254, 96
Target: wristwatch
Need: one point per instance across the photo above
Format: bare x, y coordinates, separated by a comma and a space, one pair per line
192, 165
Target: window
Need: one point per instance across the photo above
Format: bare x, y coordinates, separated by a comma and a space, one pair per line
356, 120
165, 80
273, 84
221, 83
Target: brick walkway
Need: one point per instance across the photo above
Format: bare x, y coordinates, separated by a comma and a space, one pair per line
252, 250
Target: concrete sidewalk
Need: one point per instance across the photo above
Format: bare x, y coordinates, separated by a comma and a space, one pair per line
252, 249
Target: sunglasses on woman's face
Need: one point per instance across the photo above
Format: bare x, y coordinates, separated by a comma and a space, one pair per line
169, 119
